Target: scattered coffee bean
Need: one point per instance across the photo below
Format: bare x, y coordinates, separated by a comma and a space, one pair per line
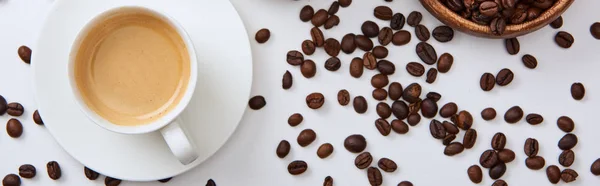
413, 119
383, 13
437, 130
513, 115
90, 174
315, 100
210, 182
504, 77
426, 53
531, 147
3, 105
331, 22
360, 104
595, 168
325, 150
487, 81
434, 96
363, 43
348, 46
512, 46
53, 169
577, 91
343, 97
568, 175
328, 181
415, 69
401, 37
489, 158
374, 175
470, 138
11, 180
566, 158
308, 68
445, 62
422, 32
355, 143
386, 67
506, 155
297, 167
567, 142
451, 128
595, 30
383, 126
262, 35
464, 120
397, 21
335, 6
499, 183
431, 75
395, 90
356, 67
414, 18
553, 174
15, 109
448, 110
386, 34
165, 180
27, 171
333, 64
448, 139
429, 108
319, 18
443, 34
308, 47
387, 165
383, 110
412, 93
557, 23
370, 29
453, 148
564, 39
363, 160
379, 94
498, 141
405, 183
345, 3
399, 126
535, 163
369, 61
306, 13
497, 171
25, 54
306, 137
488, 113
380, 52
283, 149
529, 61
14, 128
475, 174
286, 83
379, 81
332, 47
400, 109
295, 58
295, 119
317, 36
534, 118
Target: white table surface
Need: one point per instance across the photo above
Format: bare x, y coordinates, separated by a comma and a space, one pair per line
249, 156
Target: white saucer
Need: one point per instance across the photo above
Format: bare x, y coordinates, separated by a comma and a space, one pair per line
224, 82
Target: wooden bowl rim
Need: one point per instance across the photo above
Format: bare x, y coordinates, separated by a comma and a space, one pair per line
452, 19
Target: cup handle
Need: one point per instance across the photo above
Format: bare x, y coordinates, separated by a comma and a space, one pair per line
179, 143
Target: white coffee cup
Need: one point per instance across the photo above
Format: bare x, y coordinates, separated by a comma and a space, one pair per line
169, 124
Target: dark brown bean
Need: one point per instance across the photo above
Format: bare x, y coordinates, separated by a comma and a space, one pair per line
470, 138
333, 64
448, 139
448, 110
426, 53
504, 77
415, 69
497, 171
335, 6
317, 36
53, 169
498, 141
565, 123
422, 32
91, 174
308, 47
383, 127
414, 18
397, 21
325, 150
487, 81
297, 167
445, 63
356, 67
386, 67
577, 91
370, 29
395, 91
319, 18
431, 75
531, 147
564, 39
315, 100
345, 3
412, 93
568, 175
306, 137
379, 81
14, 128
488, 113
401, 37
566, 158
535, 163
383, 12
379, 94
11, 180
295, 58
534, 119
399, 126
387, 165
464, 120
363, 160
380, 52
355, 143
385, 36
306, 13
453, 148
506, 155
374, 175
308, 68
595, 167
369, 61
343, 97
363, 43
27, 171
529, 61
283, 149
437, 130
383, 110
328, 181
567, 142
25, 54
360, 104
489, 158
262, 35
348, 45
332, 47
553, 174
286, 82
15, 109
512, 46
557, 23
513, 115
450, 128
475, 174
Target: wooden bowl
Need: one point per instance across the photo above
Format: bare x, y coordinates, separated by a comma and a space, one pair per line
452, 19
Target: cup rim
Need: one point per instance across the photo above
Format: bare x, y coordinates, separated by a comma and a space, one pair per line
164, 120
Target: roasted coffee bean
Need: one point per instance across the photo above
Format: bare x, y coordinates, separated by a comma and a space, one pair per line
414, 18
27, 171
453, 148
401, 37
489, 158
413, 119
448, 110
513, 115
577, 91
498, 26
489, 8
328, 181
295, 119
53, 169
429, 108
497, 171
306, 13
499, 183
343, 97
3, 105
448, 139
565, 124
14, 128
437, 130
15, 109
11, 180
325, 150
535, 163
283, 149
306, 137
488, 113
345, 3
531, 147
25, 54
470, 138
595, 30
595, 167
286, 83
487, 81
165, 180
464, 120
308, 47
333, 64
383, 110
295, 58
557, 23
370, 29
374, 175
414, 108
498, 141
512, 46
564, 39
383, 127
335, 6
434, 96
399, 126
387, 165
385, 36
534, 118
455, 5
356, 67
426, 53
400, 109
379, 94
297, 167
363, 160
443, 34
332, 21
210, 182
422, 32
412, 93
395, 90
383, 12
450, 128
553, 174
315, 100
355, 143
360, 104
397, 21
319, 18
504, 77
262, 35
386, 67
363, 43
317, 36
379, 81
529, 61
567, 142
308, 68
332, 47
380, 52
506, 155
90, 174
431, 75
445, 62
369, 61
475, 174
566, 158
568, 175
405, 183
348, 46
415, 69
